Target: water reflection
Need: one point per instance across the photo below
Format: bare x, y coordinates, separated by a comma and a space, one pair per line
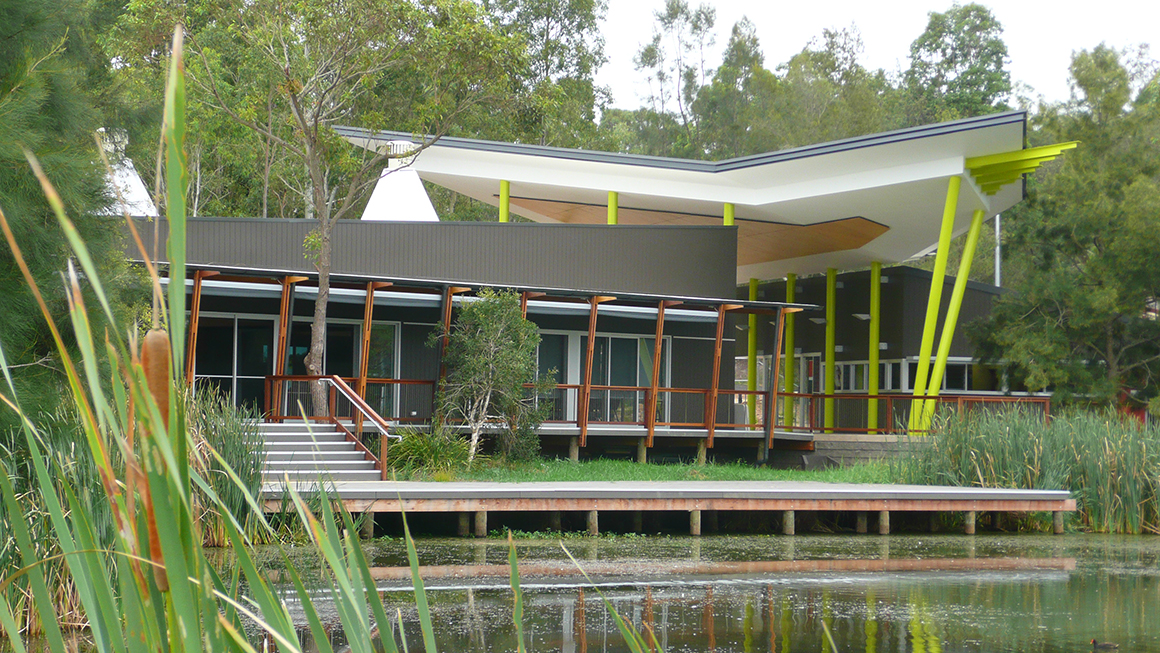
928, 595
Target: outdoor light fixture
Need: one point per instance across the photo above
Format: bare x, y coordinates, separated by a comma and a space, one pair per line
862, 316
818, 320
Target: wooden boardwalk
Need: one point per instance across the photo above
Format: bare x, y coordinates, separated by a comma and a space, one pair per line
788, 497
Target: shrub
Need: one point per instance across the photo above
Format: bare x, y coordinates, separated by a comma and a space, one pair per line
436, 450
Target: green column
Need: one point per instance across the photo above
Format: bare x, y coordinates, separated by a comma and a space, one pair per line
831, 346
505, 200
613, 207
952, 319
728, 214
875, 329
751, 376
938, 276
788, 339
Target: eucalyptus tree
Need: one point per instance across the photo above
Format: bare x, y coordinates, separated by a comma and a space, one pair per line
291, 71
958, 66
557, 97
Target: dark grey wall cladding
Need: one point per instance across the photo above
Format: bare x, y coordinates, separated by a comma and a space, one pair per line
665, 260
904, 299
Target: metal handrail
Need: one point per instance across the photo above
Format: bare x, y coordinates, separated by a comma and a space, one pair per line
339, 386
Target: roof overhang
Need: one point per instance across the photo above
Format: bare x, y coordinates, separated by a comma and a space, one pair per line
843, 204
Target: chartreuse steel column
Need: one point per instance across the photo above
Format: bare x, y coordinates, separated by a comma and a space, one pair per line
790, 347
872, 381
505, 200
727, 215
831, 347
751, 375
952, 319
919, 383
613, 207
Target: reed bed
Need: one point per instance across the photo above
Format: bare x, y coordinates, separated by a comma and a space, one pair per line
1110, 464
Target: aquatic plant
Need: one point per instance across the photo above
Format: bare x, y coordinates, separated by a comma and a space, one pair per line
1111, 464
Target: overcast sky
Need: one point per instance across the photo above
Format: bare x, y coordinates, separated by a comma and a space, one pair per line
1040, 36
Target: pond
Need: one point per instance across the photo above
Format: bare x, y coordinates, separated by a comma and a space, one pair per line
919, 593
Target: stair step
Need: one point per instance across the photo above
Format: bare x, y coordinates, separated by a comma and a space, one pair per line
317, 437
309, 475
325, 448
330, 465
286, 456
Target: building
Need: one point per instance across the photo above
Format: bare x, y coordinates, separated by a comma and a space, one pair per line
628, 247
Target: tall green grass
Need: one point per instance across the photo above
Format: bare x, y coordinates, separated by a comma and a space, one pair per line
1109, 463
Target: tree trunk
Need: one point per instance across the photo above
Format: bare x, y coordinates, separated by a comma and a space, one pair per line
475, 431
318, 390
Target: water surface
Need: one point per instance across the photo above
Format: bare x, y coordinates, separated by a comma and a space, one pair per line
920, 593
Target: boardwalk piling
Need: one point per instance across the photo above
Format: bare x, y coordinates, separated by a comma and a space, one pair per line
574, 448
694, 522
702, 452
884, 522
555, 521
787, 525
481, 523
637, 521
1057, 522
969, 522
594, 523
464, 524
860, 525
642, 450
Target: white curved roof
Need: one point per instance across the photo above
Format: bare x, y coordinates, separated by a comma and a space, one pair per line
843, 204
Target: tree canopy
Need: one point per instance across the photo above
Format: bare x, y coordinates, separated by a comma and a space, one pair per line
1081, 249
54, 95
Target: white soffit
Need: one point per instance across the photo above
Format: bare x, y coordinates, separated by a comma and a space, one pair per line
895, 179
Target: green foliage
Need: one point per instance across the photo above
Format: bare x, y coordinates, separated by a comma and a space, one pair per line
50, 104
491, 355
556, 99
1109, 463
1082, 247
430, 451
957, 66
229, 453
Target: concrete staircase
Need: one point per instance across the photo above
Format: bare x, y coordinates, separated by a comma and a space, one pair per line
318, 453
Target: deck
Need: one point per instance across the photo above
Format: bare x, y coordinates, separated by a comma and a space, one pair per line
788, 497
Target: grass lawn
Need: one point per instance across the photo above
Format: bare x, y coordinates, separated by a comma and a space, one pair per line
626, 470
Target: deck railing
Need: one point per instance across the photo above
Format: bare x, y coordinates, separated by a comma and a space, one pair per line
413, 401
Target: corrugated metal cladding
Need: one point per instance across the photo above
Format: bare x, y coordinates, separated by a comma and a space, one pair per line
667, 260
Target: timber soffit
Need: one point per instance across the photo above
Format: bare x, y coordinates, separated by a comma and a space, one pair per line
740, 163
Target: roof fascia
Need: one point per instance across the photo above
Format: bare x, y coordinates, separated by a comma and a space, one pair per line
845, 145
